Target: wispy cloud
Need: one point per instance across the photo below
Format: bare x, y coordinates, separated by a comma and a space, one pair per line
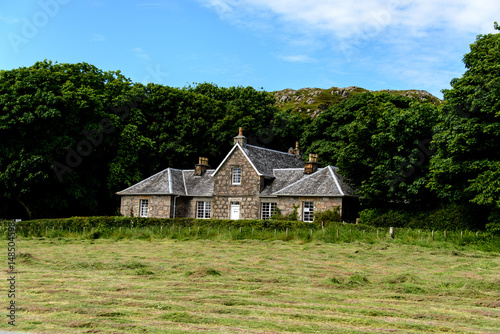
159, 4
141, 54
9, 19
347, 18
414, 41
297, 58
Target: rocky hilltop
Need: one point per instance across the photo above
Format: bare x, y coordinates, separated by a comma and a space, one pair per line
312, 101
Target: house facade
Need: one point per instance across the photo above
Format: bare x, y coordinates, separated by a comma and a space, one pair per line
250, 183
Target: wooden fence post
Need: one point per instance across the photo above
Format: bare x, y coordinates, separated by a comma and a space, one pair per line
391, 232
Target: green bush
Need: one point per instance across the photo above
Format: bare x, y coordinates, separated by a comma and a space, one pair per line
494, 222
390, 219
96, 225
450, 217
328, 216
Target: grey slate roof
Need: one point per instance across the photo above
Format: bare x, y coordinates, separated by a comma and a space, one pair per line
285, 170
266, 160
199, 185
293, 182
174, 182
156, 184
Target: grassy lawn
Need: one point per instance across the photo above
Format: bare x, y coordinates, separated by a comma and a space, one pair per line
252, 286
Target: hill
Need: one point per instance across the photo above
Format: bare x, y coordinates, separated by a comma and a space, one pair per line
312, 101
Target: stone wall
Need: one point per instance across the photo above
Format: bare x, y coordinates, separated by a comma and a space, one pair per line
285, 204
158, 206
246, 193
191, 203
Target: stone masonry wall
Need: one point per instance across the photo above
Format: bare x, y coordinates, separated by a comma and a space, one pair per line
285, 204
158, 206
246, 193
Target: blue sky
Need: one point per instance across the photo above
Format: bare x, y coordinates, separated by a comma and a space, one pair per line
273, 44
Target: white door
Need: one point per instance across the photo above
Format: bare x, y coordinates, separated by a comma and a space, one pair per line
235, 211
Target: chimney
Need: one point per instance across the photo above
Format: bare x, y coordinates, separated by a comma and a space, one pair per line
201, 167
297, 151
312, 165
242, 140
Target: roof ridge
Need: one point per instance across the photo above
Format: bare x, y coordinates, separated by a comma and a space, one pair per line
295, 168
237, 145
143, 180
184, 181
294, 183
170, 180
336, 180
268, 149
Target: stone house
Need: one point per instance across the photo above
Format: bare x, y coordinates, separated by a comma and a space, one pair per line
250, 183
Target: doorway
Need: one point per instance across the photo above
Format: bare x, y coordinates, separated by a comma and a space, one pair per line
235, 211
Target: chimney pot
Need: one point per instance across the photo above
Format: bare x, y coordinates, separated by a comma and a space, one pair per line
240, 138
312, 165
201, 167
297, 151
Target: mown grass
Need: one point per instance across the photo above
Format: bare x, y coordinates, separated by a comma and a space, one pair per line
226, 284
334, 233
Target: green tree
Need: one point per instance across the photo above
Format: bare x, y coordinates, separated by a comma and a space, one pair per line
60, 125
466, 166
380, 144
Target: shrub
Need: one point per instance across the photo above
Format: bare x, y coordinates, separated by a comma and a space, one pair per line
328, 216
292, 216
389, 219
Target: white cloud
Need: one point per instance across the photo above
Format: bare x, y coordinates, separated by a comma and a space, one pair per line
297, 58
141, 54
344, 19
9, 19
415, 42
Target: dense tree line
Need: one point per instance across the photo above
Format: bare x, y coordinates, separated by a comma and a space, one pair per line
72, 135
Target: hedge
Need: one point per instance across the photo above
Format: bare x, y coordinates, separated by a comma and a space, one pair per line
453, 217
80, 223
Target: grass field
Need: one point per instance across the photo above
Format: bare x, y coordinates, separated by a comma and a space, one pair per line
72, 285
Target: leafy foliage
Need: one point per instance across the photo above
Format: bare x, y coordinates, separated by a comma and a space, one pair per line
378, 142
327, 216
73, 135
466, 166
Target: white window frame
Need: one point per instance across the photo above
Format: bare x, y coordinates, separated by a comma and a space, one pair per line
143, 207
267, 209
308, 211
236, 175
203, 209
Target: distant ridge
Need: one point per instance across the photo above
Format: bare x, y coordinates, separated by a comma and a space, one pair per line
312, 101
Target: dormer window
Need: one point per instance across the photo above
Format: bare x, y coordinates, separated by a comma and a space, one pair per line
236, 175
